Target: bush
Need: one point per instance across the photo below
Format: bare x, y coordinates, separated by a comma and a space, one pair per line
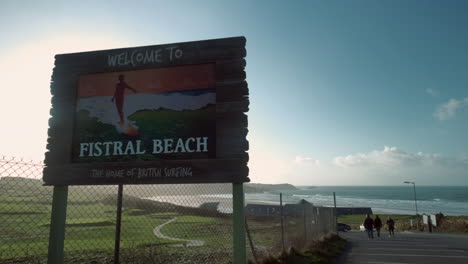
320, 251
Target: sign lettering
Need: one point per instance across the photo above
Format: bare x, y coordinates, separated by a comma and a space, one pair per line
141, 57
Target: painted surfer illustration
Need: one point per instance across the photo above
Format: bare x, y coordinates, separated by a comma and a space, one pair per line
145, 114
119, 97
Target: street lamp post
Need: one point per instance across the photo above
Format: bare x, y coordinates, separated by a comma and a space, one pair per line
414, 187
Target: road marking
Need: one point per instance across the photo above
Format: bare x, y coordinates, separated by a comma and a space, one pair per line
408, 255
413, 244
452, 250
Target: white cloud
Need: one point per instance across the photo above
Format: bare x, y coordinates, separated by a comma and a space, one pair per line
308, 160
448, 110
432, 92
387, 166
464, 158
388, 157
393, 166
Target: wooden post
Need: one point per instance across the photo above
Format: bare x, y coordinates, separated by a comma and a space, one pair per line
118, 225
57, 225
240, 255
429, 223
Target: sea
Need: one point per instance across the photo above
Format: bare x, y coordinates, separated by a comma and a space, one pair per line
449, 200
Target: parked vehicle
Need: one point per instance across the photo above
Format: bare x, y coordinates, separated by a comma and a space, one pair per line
343, 227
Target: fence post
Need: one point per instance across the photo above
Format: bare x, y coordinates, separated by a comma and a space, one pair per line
57, 225
252, 246
334, 211
118, 225
282, 221
305, 222
240, 255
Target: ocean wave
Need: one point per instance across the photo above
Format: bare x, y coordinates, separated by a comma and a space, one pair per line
379, 206
224, 195
397, 206
105, 110
301, 195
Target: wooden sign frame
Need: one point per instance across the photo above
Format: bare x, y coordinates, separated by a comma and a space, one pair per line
230, 162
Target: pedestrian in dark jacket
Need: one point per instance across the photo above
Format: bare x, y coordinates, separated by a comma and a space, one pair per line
377, 225
369, 226
391, 227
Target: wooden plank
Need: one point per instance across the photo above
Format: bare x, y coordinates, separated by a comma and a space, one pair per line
223, 43
238, 63
232, 75
231, 120
222, 132
227, 107
61, 93
234, 91
240, 155
230, 145
192, 171
191, 53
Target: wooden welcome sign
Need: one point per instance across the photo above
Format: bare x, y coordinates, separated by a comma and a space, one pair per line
172, 113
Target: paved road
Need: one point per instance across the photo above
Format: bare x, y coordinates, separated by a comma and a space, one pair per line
406, 248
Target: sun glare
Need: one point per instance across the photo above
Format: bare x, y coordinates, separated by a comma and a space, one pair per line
25, 100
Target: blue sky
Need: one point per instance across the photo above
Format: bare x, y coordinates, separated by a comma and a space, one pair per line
355, 92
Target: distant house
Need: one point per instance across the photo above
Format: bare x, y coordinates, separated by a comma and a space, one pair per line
297, 209
353, 211
266, 209
263, 209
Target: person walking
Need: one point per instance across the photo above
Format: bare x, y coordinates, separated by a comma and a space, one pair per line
377, 225
391, 227
369, 226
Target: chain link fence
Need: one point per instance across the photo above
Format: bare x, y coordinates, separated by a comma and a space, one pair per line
160, 223
273, 228
25, 207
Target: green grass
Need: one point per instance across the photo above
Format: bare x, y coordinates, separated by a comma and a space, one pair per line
207, 229
22, 237
90, 224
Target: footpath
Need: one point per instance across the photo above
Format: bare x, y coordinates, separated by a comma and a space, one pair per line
405, 248
186, 242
